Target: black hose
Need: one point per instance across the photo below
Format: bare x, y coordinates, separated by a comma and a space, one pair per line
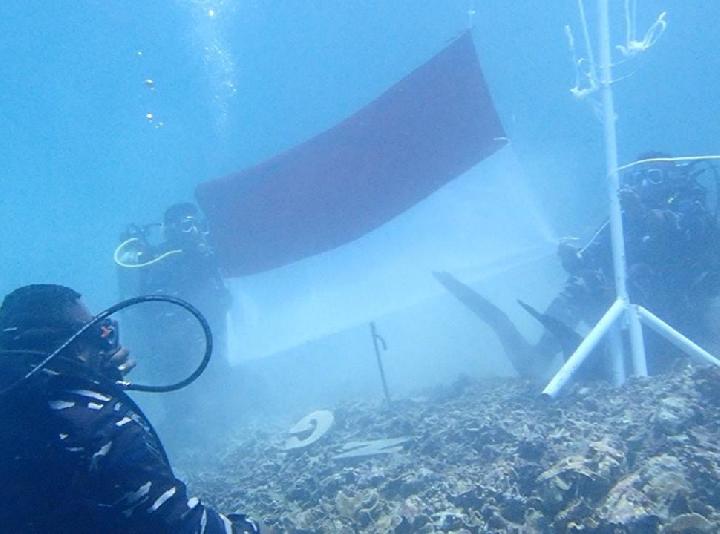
105, 314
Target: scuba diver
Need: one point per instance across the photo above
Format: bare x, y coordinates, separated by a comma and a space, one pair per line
673, 269
76, 453
183, 265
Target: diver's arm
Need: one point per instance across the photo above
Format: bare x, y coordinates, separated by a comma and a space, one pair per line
123, 475
574, 259
648, 220
637, 218
569, 254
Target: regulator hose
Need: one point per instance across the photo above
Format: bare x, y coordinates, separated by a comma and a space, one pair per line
104, 315
117, 255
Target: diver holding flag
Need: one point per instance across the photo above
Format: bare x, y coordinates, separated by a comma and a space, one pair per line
673, 255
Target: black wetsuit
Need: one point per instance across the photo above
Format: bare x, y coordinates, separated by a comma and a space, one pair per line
192, 275
78, 456
169, 343
673, 269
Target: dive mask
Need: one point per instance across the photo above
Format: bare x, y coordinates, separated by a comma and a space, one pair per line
192, 224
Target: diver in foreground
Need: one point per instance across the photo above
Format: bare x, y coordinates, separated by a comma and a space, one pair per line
672, 246
76, 453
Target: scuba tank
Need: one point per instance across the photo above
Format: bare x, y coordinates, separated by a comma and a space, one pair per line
135, 254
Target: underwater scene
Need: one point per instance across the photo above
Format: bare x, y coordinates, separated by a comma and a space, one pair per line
360, 267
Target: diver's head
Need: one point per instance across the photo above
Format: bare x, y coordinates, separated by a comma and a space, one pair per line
41, 317
184, 225
658, 180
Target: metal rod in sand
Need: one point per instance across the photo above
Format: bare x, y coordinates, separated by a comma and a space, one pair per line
377, 341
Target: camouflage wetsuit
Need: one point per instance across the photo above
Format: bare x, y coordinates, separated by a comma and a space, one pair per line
78, 456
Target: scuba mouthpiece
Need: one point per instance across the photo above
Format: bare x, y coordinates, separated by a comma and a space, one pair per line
109, 335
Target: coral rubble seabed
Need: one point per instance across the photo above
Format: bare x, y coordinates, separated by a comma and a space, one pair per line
493, 456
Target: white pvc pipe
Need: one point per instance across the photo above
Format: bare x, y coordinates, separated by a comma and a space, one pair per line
585, 348
676, 338
618, 355
637, 342
611, 161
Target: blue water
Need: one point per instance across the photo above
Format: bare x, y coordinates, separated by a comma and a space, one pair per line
235, 82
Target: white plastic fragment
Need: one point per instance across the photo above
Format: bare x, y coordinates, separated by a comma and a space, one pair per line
357, 449
316, 424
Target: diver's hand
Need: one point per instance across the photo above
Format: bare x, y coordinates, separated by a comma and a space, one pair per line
630, 201
568, 246
118, 363
243, 525
569, 253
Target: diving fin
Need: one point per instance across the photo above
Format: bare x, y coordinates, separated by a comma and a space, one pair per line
568, 338
516, 347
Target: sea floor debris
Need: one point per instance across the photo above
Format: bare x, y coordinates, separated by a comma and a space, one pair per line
493, 456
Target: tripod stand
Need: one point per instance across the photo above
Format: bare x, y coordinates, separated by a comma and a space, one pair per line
622, 315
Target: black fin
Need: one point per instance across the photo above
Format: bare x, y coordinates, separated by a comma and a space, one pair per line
568, 338
516, 347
